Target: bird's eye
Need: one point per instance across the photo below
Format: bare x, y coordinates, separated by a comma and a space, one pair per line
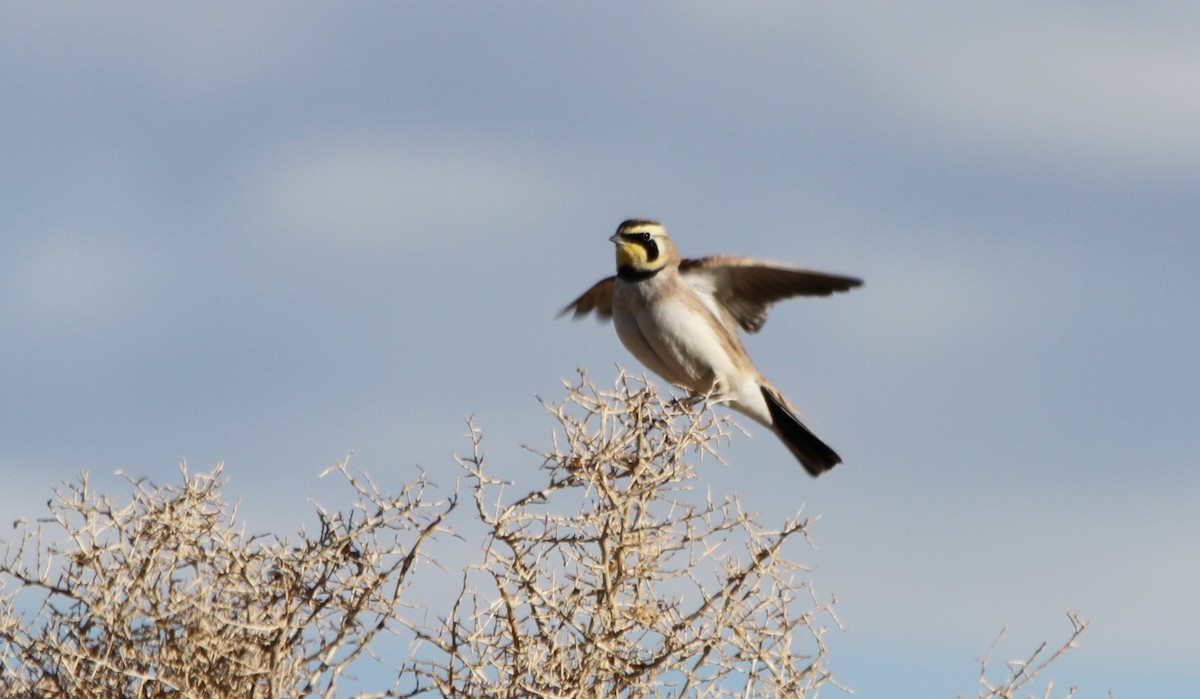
646, 236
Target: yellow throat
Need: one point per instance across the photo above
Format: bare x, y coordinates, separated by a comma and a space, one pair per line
632, 255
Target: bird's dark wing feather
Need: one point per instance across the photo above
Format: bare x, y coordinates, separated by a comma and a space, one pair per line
746, 287
598, 299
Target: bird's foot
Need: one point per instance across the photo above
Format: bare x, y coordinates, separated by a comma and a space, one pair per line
689, 401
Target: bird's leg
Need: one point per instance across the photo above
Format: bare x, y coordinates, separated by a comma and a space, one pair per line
690, 401
715, 395
718, 392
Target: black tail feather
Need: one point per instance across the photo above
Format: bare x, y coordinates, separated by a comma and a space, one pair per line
816, 456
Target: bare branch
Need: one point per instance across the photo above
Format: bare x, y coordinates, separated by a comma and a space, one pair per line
618, 576
1022, 673
162, 594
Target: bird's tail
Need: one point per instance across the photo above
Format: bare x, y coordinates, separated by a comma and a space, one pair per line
816, 456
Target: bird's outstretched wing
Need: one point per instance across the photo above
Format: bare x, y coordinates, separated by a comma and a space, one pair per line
746, 287
598, 299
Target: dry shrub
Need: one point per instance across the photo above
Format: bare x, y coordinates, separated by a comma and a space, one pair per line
161, 594
1022, 674
622, 577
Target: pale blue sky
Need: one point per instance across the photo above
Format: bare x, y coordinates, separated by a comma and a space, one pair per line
270, 234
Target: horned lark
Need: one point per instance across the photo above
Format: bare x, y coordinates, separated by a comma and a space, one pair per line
680, 318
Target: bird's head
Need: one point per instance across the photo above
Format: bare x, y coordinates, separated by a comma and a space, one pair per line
643, 248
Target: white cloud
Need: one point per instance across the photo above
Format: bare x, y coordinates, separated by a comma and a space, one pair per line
192, 52
76, 286
1091, 94
374, 188
1089, 85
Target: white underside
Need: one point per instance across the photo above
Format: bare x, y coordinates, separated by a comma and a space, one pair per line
682, 340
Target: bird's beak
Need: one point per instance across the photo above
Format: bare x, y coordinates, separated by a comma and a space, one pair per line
615, 239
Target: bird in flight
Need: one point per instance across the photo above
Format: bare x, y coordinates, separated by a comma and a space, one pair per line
679, 317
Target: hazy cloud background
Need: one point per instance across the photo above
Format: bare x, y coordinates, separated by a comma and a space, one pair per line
268, 235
